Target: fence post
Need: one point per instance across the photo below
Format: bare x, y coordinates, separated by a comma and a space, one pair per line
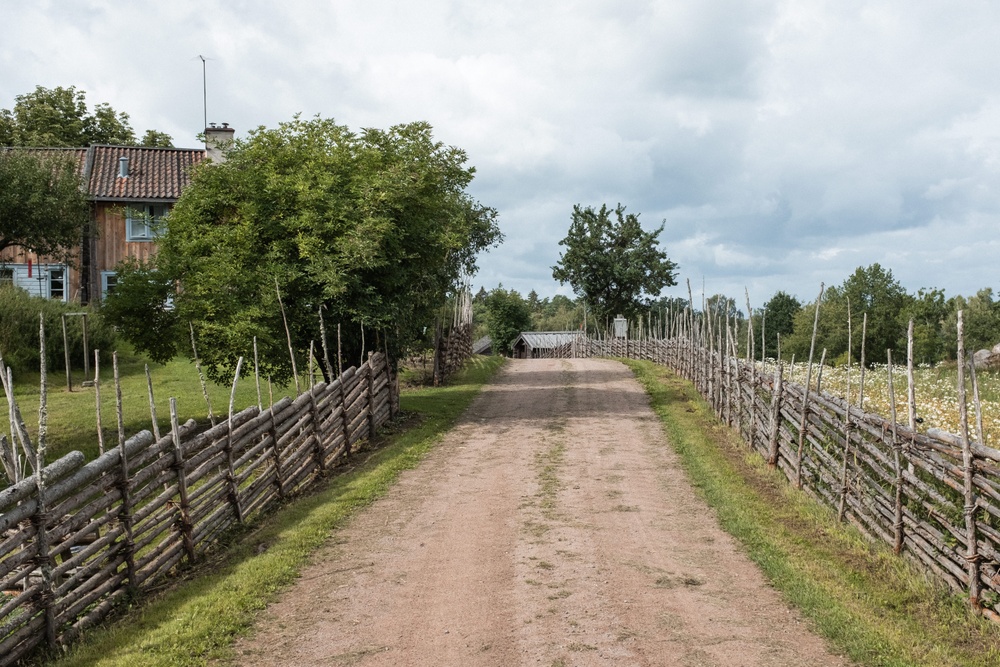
125, 515
897, 547
233, 489
316, 434
969, 468
752, 428
345, 422
772, 445
390, 387
275, 451
40, 518
371, 396
43, 559
183, 516
69, 374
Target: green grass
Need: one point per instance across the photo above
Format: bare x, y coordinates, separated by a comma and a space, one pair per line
196, 622
73, 415
871, 605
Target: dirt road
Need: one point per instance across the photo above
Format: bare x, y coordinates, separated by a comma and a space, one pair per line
552, 526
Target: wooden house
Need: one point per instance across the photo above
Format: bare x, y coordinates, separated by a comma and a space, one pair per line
130, 189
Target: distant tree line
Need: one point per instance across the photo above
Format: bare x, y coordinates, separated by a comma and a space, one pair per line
873, 291
787, 321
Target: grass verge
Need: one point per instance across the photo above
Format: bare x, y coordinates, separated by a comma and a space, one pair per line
195, 622
874, 607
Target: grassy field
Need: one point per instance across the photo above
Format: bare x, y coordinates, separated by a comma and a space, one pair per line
873, 606
936, 389
73, 415
196, 619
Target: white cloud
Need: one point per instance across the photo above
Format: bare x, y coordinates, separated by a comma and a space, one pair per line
783, 142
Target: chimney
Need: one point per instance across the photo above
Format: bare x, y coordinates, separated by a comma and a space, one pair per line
123, 167
218, 140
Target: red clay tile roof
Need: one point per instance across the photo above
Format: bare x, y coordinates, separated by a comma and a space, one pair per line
154, 173
79, 154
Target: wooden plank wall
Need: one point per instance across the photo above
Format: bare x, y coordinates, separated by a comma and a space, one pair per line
123, 521
895, 485
112, 245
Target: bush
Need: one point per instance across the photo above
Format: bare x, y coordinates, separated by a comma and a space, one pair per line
19, 331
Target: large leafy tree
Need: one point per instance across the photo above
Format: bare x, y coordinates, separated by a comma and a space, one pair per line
507, 315
929, 311
612, 262
60, 117
42, 207
778, 320
872, 290
374, 228
981, 322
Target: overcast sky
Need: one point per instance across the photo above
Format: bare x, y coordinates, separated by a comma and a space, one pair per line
783, 143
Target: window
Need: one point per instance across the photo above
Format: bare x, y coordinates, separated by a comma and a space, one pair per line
109, 279
57, 284
6, 276
144, 222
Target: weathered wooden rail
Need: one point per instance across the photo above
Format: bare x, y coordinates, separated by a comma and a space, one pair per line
898, 486
101, 530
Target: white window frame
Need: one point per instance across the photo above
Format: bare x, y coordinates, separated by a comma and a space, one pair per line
105, 275
65, 276
144, 222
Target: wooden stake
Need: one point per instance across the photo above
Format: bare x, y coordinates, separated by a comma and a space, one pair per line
97, 400
819, 375
911, 389
326, 350
183, 515
16, 461
40, 517
897, 466
312, 365
152, 405
234, 493
340, 354
969, 468
805, 398
371, 397
861, 381
201, 376
18, 428
118, 404
842, 506
980, 434
776, 398
256, 375
288, 334
69, 374
86, 347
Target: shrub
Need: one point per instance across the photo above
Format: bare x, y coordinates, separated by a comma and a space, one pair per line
19, 331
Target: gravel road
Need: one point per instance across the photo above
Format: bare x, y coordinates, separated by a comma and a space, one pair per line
552, 526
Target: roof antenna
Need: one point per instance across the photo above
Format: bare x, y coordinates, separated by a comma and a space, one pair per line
204, 90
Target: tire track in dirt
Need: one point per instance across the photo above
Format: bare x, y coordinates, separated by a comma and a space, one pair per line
552, 526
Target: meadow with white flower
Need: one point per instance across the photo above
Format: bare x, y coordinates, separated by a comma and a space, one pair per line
935, 389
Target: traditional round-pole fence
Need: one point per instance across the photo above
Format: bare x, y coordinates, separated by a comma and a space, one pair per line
76, 536
925, 495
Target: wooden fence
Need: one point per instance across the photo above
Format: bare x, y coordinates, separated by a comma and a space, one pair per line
452, 350
97, 531
934, 498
